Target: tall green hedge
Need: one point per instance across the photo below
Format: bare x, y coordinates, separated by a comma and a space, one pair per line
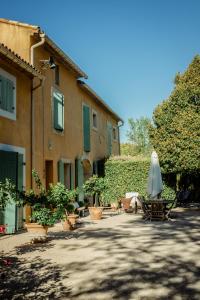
126, 174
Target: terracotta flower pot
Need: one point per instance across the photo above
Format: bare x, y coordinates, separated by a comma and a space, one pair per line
38, 232
95, 212
66, 225
126, 203
72, 219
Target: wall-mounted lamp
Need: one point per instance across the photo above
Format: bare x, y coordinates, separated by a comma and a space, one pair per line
48, 63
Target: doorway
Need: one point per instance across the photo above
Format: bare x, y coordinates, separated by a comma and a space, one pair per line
49, 172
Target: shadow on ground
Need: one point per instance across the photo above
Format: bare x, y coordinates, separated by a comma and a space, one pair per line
35, 279
126, 258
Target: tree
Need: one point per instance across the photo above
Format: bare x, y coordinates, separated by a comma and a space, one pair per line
176, 131
138, 133
128, 149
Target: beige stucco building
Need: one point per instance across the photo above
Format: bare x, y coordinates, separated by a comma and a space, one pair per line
67, 128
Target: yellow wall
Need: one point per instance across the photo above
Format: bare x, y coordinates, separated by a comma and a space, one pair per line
17, 132
69, 144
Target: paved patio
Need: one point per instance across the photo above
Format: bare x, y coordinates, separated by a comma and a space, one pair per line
119, 257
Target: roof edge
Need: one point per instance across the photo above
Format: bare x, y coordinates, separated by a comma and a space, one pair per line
66, 58
19, 23
20, 62
98, 99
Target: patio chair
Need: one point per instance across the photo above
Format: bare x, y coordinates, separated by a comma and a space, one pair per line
169, 208
146, 210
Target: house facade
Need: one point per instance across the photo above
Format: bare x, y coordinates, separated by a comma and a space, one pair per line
68, 129
15, 128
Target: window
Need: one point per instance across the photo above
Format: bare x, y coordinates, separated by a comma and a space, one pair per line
114, 133
94, 120
57, 75
7, 95
58, 110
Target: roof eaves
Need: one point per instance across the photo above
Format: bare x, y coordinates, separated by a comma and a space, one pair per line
19, 61
66, 58
98, 99
2, 20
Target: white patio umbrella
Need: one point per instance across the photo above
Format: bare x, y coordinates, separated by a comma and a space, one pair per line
155, 185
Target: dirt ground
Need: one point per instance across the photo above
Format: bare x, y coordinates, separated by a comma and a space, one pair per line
120, 257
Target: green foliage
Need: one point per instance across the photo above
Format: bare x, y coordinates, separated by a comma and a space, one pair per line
58, 195
95, 186
138, 134
127, 174
43, 216
7, 193
128, 149
176, 131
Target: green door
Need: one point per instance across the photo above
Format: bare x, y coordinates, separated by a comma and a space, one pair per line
8, 169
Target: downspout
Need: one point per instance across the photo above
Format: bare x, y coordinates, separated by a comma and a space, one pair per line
42, 36
118, 126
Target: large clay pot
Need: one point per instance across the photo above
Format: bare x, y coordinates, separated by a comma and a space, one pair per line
66, 225
72, 219
36, 229
126, 203
95, 212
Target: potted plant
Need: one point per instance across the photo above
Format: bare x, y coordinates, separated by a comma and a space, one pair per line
61, 200
95, 186
42, 213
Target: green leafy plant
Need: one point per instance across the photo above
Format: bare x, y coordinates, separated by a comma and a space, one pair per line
95, 186
43, 216
7, 193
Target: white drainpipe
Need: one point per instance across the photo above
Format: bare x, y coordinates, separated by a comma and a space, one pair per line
42, 36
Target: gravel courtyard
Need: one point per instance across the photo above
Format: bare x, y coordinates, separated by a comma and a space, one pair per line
119, 257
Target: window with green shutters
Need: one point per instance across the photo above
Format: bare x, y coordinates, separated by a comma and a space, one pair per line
86, 128
7, 95
58, 110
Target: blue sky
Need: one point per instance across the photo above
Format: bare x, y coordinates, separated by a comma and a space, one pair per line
131, 50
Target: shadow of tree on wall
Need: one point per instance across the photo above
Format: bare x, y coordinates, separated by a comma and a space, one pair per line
134, 260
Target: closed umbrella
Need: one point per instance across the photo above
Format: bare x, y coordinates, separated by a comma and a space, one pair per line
155, 185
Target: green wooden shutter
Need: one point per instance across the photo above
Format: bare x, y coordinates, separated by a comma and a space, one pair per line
6, 94
8, 163
2, 92
19, 209
86, 128
9, 96
72, 179
61, 177
58, 100
109, 138
79, 177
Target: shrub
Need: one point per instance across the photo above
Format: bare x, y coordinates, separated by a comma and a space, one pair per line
125, 174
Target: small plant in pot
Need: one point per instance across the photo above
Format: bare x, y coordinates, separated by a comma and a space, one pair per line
95, 186
60, 198
42, 213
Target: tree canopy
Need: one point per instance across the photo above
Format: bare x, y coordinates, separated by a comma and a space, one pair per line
138, 134
176, 131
